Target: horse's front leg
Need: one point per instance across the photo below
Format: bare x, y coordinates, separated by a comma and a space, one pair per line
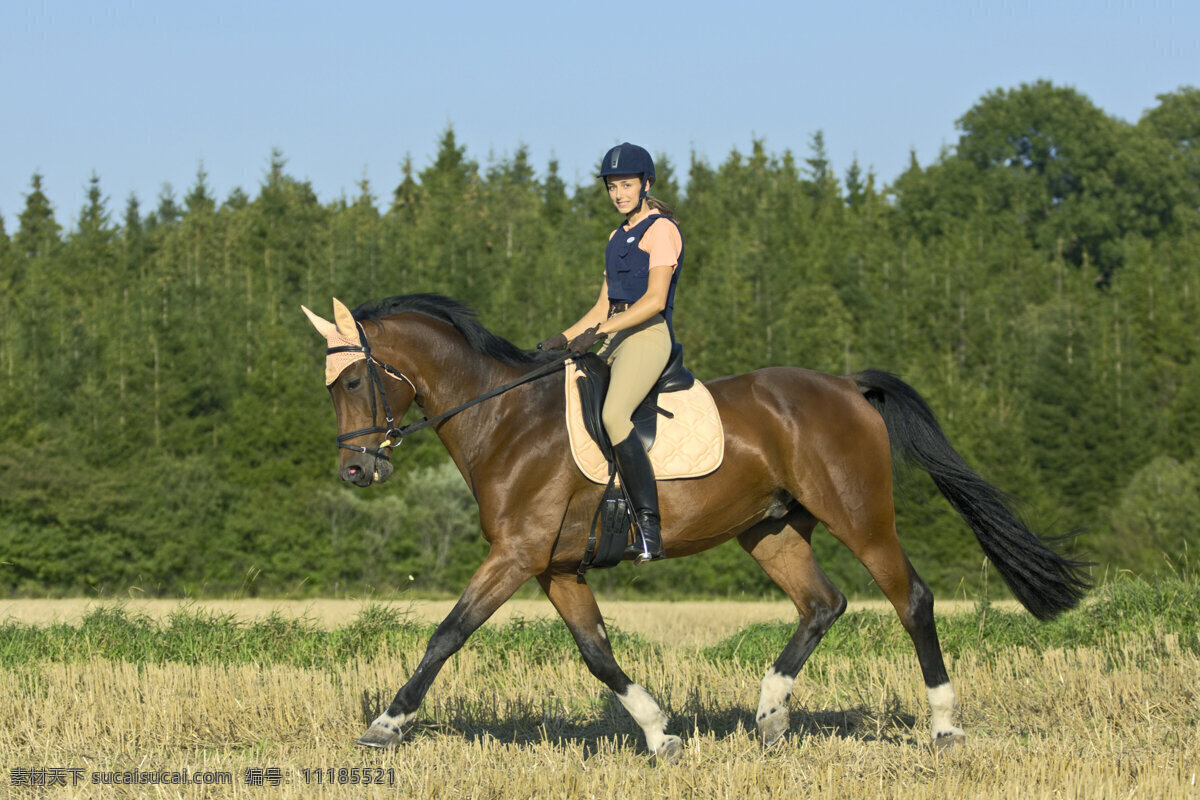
497, 578
576, 604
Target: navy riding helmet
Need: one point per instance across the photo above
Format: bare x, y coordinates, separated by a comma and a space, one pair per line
627, 159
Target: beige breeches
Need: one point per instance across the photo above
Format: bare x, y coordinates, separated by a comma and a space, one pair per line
636, 357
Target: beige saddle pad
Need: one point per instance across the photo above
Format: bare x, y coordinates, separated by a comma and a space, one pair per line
688, 446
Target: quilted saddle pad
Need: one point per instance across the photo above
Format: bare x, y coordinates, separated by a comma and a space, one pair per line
688, 446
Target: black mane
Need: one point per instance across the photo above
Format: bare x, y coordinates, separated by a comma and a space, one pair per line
461, 316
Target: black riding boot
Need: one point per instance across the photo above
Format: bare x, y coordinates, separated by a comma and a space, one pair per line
637, 476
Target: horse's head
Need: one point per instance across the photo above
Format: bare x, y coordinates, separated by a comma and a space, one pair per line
365, 391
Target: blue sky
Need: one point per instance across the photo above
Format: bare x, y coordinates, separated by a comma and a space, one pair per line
142, 92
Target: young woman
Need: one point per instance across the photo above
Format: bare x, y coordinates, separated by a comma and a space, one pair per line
633, 312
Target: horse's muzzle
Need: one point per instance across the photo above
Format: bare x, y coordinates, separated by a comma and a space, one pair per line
366, 471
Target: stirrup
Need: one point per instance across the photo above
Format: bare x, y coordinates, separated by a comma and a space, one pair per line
641, 550
646, 557
641, 555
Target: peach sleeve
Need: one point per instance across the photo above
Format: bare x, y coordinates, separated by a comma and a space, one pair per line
663, 243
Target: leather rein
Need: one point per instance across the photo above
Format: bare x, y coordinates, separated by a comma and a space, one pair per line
393, 437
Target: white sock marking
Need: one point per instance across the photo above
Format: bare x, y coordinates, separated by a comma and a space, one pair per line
941, 707
776, 691
394, 724
646, 714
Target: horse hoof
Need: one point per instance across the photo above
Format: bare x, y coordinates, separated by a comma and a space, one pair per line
772, 727
949, 741
379, 737
670, 751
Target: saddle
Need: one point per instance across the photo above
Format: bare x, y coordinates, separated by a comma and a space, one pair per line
681, 424
593, 385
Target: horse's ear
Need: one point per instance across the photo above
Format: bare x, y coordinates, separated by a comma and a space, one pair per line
323, 326
345, 321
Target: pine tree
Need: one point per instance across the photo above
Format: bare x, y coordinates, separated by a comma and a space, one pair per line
35, 293
92, 258
821, 183
855, 188
397, 233
168, 212
354, 262
133, 241
199, 198
446, 235
38, 232
550, 305
407, 194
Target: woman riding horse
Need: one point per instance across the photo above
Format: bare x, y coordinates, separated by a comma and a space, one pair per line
641, 268
799, 448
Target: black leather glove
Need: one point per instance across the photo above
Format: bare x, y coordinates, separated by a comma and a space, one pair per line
586, 340
556, 342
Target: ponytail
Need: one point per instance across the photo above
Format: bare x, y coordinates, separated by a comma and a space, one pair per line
662, 208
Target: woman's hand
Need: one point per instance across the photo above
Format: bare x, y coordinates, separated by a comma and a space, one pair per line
556, 342
586, 340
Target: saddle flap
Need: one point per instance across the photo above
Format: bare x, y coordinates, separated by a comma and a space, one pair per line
592, 380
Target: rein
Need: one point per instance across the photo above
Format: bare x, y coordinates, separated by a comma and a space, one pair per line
392, 436
540, 372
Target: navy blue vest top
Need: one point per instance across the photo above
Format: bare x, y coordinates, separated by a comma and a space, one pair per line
627, 267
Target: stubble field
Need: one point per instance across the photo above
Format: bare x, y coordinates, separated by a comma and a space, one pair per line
1103, 704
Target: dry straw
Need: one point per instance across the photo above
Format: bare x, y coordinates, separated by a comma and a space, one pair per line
1092, 722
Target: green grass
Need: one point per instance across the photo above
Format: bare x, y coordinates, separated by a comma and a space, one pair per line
1123, 608
200, 637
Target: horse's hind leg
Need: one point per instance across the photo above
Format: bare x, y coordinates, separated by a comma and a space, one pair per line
870, 533
577, 606
782, 549
913, 602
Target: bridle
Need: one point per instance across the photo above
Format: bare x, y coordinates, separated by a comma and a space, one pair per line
374, 386
393, 437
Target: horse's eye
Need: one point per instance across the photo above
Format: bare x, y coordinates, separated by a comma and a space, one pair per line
351, 385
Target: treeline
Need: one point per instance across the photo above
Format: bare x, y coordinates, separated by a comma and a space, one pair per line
163, 426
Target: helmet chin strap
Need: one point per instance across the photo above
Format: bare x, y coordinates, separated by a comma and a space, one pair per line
641, 199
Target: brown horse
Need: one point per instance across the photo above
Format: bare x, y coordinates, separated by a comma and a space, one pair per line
801, 447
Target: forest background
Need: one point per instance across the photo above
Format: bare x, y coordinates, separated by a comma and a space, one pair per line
164, 427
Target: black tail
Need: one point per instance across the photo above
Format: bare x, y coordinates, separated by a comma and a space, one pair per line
1044, 581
